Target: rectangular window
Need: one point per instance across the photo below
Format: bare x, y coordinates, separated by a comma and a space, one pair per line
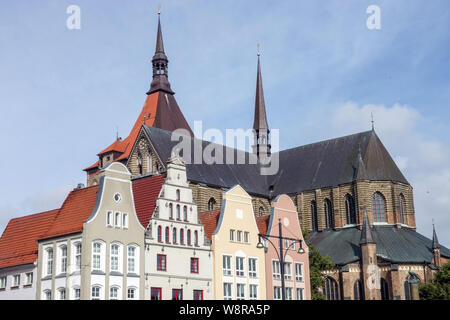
239, 236
113, 293
125, 221
198, 295
2, 282
292, 247
276, 270
48, 295
29, 277
77, 293
240, 266
96, 250
62, 294
246, 237
276, 293
131, 293
117, 220
161, 262
177, 294
231, 235
49, 261
194, 265
78, 256
227, 294
299, 272
288, 293
252, 264
240, 291
114, 257
299, 293
226, 265
287, 271
16, 280
253, 292
63, 259
95, 293
109, 219
156, 294
131, 259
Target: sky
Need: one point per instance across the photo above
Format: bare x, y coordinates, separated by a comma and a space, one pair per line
63, 92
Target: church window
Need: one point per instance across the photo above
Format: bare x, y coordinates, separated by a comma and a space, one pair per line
314, 221
358, 291
261, 211
402, 206
331, 289
378, 208
350, 212
211, 204
329, 219
384, 289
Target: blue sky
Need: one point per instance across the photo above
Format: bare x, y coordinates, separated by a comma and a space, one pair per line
63, 92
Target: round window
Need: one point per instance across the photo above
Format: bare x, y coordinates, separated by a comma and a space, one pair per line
117, 197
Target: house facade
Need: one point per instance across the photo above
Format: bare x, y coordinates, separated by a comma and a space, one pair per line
238, 265
295, 255
178, 256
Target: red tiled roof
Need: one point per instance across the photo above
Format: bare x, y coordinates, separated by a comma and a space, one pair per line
18, 244
209, 220
117, 146
75, 210
263, 223
145, 193
94, 166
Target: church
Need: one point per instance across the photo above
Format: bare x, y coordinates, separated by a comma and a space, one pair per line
349, 194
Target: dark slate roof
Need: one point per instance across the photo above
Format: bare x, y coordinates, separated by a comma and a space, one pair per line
393, 245
332, 162
219, 175
323, 164
366, 232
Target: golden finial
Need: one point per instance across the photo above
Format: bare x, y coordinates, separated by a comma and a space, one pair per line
258, 45
159, 9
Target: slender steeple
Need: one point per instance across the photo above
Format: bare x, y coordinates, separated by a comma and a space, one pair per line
360, 167
260, 127
366, 233
160, 63
435, 243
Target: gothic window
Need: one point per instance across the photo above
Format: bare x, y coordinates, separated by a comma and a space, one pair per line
189, 237
178, 194
167, 235
378, 208
170, 211
159, 234
329, 217
174, 235
211, 204
196, 238
384, 289
358, 291
139, 162
350, 212
185, 213
331, 289
314, 221
402, 206
181, 236
178, 212
261, 211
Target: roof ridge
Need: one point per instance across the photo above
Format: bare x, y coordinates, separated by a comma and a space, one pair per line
33, 214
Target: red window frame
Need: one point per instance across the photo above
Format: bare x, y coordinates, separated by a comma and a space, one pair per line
174, 235
189, 238
167, 235
198, 295
155, 293
178, 212
185, 213
159, 234
161, 262
196, 238
170, 211
181, 236
194, 265
177, 294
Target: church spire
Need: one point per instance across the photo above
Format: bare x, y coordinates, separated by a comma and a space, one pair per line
160, 63
435, 243
260, 126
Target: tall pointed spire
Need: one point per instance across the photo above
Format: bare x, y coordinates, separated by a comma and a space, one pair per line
366, 233
435, 244
160, 63
360, 167
260, 126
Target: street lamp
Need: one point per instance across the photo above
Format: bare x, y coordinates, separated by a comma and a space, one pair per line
281, 253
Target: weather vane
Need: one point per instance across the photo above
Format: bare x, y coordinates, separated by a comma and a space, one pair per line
159, 9
258, 45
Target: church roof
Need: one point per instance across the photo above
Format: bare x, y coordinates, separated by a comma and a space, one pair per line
18, 243
318, 165
394, 245
260, 120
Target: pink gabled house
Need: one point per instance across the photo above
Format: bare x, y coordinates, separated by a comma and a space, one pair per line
297, 285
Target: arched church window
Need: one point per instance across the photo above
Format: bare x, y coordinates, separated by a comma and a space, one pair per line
314, 221
402, 206
170, 211
159, 234
178, 194
211, 204
331, 289
384, 289
329, 218
378, 208
178, 212
261, 211
358, 291
350, 212
185, 213
167, 235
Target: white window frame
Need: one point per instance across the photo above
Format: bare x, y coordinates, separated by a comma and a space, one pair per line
252, 273
288, 293
227, 269
300, 296
117, 219
232, 234
62, 294
74, 291
77, 255
49, 257
125, 220
276, 271
253, 292
276, 293
227, 294
29, 278
134, 293
109, 219
134, 258
114, 257
288, 271
101, 256
240, 266
47, 294
239, 236
299, 272
115, 289
62, 258
246, 237
99, 292
3, 282
16, 281
240, 291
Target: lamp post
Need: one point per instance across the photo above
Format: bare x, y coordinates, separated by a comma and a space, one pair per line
281, 252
